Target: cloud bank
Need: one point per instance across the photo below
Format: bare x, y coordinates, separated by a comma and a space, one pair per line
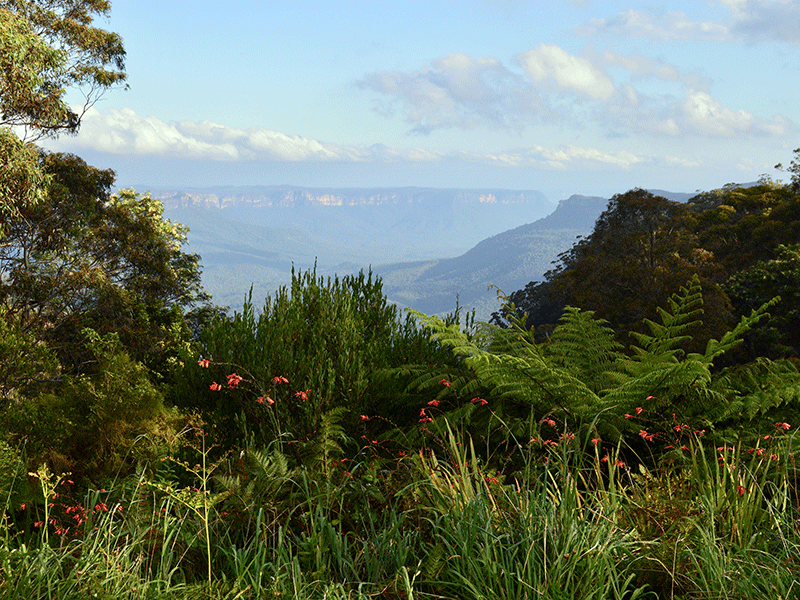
124, 132
463, 92
455, 91
750, 20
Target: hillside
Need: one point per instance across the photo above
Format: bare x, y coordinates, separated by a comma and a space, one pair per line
430, 246
253, 236
508, 260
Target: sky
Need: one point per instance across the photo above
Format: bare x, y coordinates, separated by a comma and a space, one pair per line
560, 96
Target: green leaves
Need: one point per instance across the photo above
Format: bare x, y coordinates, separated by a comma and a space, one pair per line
29, 70
580, 371
46, 47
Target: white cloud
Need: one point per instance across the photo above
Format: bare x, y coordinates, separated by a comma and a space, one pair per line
707, 116
560, 158
753, 20
569, 154
641, 66
125, 132
455, 91
553, 65
674, 25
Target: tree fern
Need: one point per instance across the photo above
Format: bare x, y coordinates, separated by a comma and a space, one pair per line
684, 312
568, 347
581, 371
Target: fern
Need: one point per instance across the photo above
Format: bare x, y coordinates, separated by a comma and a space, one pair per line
581, 371
568, 347
733, 338
325, 446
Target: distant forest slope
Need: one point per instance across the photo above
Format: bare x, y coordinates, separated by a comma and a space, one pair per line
430, 246
508, 260
253, 236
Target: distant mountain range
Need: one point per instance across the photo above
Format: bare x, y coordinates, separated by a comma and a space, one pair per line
429, 245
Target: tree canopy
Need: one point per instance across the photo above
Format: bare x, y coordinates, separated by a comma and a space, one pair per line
47, 47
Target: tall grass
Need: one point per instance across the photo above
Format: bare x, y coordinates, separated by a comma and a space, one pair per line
437, 523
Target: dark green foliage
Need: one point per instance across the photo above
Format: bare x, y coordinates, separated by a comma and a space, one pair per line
741, 226
96, 426
329, 339
780, 336
641, 251
580, 373
81, 257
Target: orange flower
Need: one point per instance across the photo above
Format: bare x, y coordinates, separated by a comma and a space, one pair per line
215, 387
234, 379
433, 403
302, 395
596, 441
204, 363
279, 379
784, 426
648, 437
444, 382
364, 417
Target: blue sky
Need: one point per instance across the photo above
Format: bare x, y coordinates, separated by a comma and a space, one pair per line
563, 96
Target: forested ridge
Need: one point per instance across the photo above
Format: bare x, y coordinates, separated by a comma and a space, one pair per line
624, 428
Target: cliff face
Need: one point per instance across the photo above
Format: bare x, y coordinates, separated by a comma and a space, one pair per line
289, 197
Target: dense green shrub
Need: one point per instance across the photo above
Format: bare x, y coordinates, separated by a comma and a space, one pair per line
317, 345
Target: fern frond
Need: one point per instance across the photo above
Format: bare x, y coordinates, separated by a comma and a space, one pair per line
585, 346
684, 311
733, 338
325, 446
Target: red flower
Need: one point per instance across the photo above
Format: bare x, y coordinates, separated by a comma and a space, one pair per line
215, 387
204, 362
619, 463
433, 402
639, 409
364, 418
548, 422
480, 401
784, 426
234, 379
741, 490
648, 437
279, 379
444, 382
627, 416
302, 395
596, 441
